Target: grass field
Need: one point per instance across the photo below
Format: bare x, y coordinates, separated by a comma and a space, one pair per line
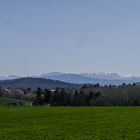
70, 123
4, 101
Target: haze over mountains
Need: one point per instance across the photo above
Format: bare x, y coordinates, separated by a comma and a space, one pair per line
83, 78
91, 78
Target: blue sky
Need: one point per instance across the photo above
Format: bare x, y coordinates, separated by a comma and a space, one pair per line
40, 36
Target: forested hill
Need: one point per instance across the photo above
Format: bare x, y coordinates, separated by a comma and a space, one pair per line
34, 83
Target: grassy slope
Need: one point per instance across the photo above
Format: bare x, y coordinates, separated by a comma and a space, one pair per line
70, 123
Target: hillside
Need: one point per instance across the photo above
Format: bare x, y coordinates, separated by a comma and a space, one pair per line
34, 83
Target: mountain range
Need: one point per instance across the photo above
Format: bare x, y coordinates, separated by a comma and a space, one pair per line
91, 78
83, 78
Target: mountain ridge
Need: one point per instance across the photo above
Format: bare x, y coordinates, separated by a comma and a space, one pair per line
92, 78
83, 78
34, 83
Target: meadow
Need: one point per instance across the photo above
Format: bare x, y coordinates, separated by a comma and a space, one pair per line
70, 123
5, 101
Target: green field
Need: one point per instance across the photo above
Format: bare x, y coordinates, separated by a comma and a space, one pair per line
4, 101
70, 123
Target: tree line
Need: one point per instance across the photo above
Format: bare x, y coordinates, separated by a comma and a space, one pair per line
90, 95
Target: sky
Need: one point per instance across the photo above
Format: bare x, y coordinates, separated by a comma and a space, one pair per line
76, 36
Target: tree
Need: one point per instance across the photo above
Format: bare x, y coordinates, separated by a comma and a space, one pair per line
1, 93
39, 98
47, 96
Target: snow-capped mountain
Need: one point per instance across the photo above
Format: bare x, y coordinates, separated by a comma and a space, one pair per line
108, 76
92, 78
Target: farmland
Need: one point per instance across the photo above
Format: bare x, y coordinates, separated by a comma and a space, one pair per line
70, 123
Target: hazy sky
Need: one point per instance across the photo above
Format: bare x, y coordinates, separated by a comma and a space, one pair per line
40, 36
